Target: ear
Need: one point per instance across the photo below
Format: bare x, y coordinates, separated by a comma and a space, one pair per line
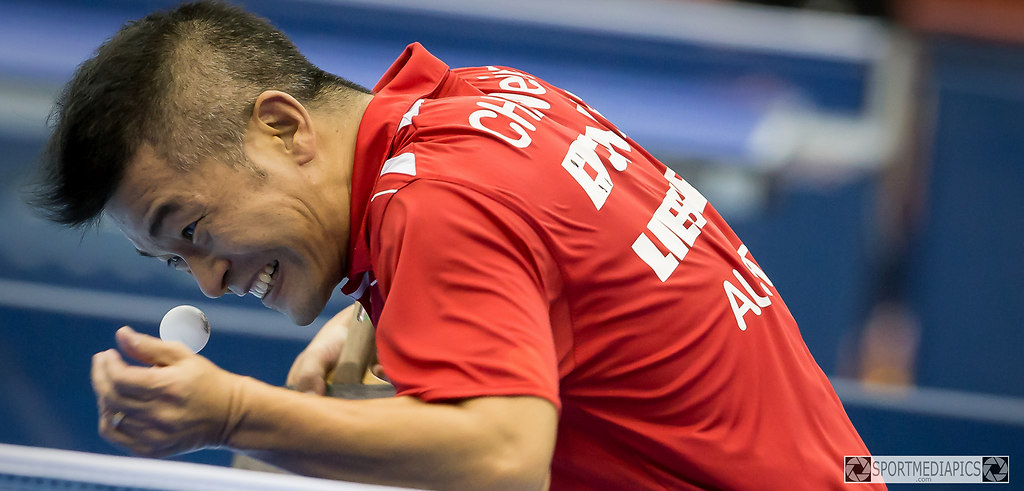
280, 123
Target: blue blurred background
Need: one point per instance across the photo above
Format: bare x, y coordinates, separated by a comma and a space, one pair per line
872, 164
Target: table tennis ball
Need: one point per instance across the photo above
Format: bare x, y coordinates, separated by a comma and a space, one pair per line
186, 324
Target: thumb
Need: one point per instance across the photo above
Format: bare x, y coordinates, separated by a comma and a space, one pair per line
148, 349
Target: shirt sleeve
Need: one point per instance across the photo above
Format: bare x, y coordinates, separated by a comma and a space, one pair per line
466, 312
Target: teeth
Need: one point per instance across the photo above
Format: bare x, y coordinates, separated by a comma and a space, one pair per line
264, 281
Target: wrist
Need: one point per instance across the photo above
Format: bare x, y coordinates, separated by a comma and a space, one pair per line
236, 410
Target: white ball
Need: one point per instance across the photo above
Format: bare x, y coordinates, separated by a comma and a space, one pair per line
186, 324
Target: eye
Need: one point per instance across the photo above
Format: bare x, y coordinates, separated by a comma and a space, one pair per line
190, 231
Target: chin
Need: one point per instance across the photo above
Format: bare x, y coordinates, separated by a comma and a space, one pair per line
304, 315
303, 318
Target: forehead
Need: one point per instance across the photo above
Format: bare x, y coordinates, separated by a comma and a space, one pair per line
145, 174
149, 182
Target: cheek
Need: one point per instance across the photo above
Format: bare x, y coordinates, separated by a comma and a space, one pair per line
289, 239
239, 233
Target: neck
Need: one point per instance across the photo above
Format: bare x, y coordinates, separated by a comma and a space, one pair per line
337, 129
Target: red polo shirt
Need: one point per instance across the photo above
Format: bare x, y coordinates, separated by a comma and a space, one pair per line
510, 241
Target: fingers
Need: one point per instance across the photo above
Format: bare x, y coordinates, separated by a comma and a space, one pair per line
137, 435
309, 372
160, 410
310, 369
113, 377
126, 390
309, 384
148, 349
105, 366
357, 354
347, 315
120, 402
109, 431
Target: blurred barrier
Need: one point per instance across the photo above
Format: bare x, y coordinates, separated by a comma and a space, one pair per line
31, 469
602, 50
955, 404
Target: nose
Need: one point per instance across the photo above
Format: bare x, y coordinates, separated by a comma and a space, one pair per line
211, 274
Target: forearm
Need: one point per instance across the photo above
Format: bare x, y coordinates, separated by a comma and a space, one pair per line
399, 441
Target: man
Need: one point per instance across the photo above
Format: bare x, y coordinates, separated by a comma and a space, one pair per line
553, 305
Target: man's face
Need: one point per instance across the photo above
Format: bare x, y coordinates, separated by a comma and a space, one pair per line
234, 231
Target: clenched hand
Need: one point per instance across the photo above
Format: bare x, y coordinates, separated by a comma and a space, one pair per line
312, 369
179, 403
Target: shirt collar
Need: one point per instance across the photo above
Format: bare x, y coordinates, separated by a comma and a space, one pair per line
416, 74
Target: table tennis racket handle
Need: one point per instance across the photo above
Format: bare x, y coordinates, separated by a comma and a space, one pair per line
358, 350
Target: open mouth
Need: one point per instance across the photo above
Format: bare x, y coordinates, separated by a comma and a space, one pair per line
264, 281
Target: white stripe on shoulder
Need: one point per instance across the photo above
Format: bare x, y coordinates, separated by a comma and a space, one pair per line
411, 113
383, 193
403, 164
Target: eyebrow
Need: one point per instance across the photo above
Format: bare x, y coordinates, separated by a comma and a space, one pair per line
158, 217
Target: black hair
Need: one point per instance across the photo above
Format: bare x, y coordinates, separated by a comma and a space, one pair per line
183, 81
